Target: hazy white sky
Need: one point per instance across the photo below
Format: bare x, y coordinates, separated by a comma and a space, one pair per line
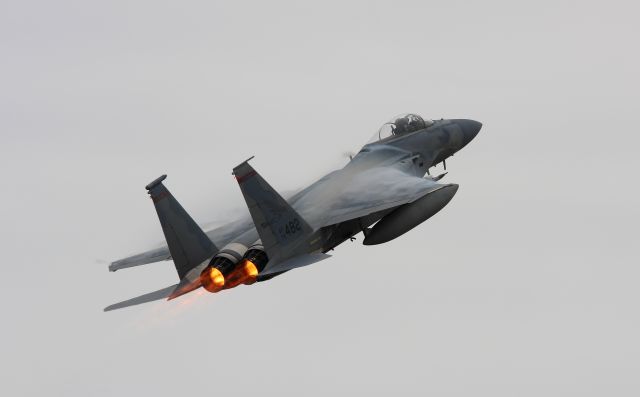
526, 284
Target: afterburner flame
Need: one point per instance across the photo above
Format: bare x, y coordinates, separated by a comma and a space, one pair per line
212, 279
250, 270
245, 273
216, 277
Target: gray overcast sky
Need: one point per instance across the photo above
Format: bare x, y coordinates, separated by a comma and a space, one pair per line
526, 284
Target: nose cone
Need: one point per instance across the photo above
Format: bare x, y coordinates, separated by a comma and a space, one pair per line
470, 129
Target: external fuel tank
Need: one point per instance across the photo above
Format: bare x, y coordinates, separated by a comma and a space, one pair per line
410, 215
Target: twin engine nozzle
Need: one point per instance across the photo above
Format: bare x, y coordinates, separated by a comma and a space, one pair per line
223, 273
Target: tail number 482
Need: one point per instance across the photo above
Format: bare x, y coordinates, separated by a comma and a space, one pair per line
290, 228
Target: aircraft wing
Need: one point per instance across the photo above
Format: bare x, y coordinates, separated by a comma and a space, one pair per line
347, 195
220, 236
155, 255
288, 232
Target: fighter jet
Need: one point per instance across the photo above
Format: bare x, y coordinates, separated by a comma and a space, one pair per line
383, 192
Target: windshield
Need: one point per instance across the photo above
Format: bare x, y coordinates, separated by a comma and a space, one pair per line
400, 125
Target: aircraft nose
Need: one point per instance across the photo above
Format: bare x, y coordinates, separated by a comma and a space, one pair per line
470, 129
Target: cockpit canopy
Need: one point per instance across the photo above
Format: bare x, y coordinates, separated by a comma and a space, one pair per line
400, 125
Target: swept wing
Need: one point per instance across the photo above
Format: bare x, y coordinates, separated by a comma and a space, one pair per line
345, 195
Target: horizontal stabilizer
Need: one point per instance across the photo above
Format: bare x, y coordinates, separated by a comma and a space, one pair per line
292, 263
150, 297
156, 255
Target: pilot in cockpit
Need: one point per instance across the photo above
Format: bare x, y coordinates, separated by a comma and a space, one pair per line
402, 124
409, 123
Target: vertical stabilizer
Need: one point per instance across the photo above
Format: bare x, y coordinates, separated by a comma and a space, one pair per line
280, 227
188, 244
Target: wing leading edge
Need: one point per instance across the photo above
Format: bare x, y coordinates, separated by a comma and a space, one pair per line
350, 195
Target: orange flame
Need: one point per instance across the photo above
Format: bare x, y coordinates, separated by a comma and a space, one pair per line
245, 273
250, 271
212, 280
